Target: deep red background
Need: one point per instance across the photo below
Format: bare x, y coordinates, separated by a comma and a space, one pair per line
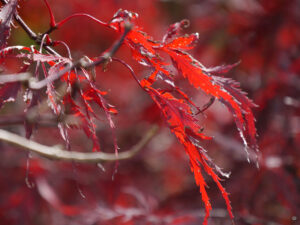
156, 186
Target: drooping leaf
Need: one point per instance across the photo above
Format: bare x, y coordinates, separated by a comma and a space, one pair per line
177, 111
31, 99
92, 93
49, 195
225, 90
53, 64
87, 125
178, 115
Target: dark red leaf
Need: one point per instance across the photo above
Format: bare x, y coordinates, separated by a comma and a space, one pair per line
8, 92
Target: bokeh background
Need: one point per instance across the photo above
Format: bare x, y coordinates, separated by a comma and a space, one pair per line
156, 185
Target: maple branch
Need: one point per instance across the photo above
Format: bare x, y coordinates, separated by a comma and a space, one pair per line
130, 70
113, 50
64, 155
62, 22
9, 78
81, 63
81, 15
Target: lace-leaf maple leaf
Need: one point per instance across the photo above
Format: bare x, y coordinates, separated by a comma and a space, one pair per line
179, 117
225, 90
81, 108
176, 111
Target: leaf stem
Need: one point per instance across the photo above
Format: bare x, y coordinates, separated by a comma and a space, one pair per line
130, 69
52, 19
59, 24
9, 78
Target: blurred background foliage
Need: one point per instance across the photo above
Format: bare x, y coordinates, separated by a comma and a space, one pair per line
156, 186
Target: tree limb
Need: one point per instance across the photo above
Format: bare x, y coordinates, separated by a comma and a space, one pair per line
64, 155
14, 77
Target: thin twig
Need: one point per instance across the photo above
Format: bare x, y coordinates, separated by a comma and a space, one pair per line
208, 104
62, 22
52, 19
112, 51
9, 78
64, 155
130, 70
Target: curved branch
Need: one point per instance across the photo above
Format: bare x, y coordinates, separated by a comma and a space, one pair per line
9, 78
81, 15
64, 155
52, 19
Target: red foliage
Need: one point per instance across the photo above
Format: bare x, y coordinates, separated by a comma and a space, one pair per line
175, 81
